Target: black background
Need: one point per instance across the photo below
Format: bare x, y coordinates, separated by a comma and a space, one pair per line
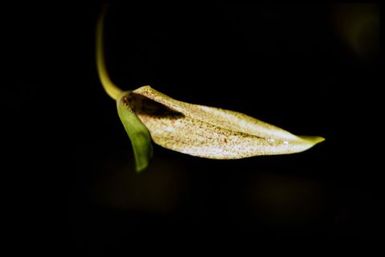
71, 183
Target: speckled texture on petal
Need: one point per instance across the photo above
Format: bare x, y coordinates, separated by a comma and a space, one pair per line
210, 132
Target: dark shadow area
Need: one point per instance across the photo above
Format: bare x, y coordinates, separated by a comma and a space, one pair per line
310, 69
146, 106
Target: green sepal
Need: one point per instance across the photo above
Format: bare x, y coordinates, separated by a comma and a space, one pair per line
137, 132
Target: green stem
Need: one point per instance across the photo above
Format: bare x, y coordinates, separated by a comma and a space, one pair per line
111, 89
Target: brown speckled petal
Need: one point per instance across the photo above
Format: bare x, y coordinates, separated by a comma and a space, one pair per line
211, 132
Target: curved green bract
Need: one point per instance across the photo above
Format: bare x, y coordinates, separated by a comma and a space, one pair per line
138, 133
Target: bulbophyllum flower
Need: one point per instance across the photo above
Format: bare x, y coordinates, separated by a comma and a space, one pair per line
149, 115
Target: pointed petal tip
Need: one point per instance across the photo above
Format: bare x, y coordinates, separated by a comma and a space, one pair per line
313, 139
